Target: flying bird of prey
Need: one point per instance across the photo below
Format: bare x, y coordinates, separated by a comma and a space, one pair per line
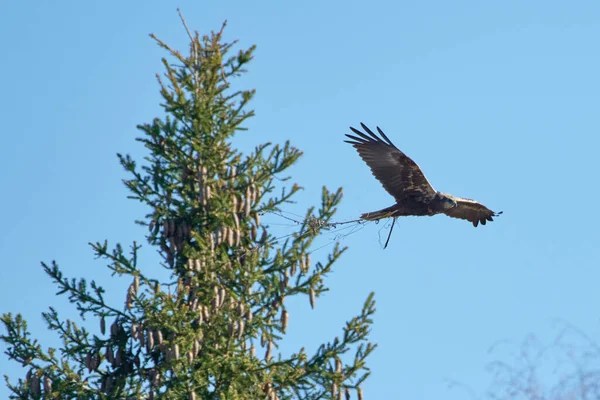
402, 178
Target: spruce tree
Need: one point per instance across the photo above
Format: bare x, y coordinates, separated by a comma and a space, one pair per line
213, 330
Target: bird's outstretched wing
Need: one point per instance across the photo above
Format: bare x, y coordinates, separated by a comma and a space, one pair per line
472, 211
399, 175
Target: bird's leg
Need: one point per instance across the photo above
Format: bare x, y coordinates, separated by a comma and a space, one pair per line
390, 234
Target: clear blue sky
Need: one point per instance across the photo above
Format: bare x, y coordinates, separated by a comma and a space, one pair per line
497, 101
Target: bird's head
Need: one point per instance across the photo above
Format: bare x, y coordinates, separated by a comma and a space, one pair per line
448, 202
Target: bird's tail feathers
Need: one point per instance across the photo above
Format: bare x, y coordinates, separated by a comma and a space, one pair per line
377, 215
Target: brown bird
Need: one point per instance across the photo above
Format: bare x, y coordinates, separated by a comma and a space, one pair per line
402, 178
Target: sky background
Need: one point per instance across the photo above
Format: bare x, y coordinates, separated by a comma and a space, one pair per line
496, 101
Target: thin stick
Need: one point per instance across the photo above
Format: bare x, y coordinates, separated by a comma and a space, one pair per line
185, 25
390, 234
321, 223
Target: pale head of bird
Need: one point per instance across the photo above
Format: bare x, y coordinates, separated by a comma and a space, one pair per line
447, 201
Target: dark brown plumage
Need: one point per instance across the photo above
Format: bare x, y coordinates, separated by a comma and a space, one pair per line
402, 178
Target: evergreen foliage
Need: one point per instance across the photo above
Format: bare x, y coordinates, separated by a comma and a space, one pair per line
213, 330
